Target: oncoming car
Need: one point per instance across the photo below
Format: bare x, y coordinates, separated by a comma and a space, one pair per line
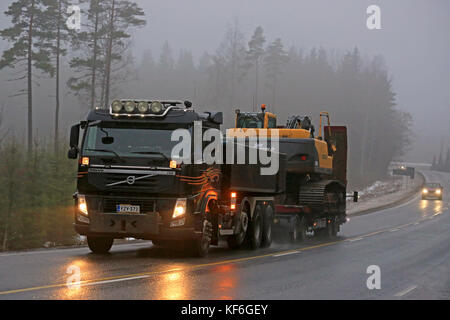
432, 191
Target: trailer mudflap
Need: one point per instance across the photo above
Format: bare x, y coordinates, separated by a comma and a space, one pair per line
125, 223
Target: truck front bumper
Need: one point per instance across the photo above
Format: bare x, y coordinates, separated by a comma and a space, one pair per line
148, 227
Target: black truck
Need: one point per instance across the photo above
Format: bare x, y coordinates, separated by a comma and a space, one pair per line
129, 186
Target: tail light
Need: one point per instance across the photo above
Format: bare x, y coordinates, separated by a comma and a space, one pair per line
233, 201
303, 157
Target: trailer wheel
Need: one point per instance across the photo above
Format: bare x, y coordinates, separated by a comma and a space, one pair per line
297, 229
236, 240
301, 230
267, 227
200, 246
100, 245
334, 228
293, 230
256, 229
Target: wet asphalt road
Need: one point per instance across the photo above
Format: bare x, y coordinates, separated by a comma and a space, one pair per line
410, 244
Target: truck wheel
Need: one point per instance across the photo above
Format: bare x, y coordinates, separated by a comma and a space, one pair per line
293, 229
236, 240
267, 227
255, 229
334, 228
301, 230
200, 246
99, 244
298, 230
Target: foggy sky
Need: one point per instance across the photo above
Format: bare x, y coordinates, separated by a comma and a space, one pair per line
414, 41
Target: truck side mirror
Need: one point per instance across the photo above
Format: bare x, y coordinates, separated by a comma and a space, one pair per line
73, 153
73, 142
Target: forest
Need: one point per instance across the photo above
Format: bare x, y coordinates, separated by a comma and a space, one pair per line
97, 64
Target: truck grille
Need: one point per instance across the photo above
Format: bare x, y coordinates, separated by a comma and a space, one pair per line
109, 205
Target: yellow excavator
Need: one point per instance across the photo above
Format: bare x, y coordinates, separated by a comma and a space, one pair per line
316, 166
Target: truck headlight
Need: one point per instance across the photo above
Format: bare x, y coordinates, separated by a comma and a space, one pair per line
156, 107
82, 205
143, 107
130, 106
180, 208
116, 106
438, 191
425, 190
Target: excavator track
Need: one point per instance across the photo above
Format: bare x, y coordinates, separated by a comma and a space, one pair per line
327, 196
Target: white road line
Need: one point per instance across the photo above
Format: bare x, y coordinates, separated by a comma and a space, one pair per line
356, 239
406, 291
114, 280
393, 230
67, 250
285, 254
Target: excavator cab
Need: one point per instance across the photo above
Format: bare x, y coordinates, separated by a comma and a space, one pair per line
256, 120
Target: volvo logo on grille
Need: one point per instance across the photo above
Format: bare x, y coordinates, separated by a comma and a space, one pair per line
131, 179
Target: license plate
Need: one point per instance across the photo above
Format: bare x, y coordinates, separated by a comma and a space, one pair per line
127, 208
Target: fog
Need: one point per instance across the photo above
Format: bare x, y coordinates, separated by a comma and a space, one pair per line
413, 41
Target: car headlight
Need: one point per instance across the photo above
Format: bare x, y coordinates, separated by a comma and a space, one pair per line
180, 208
425, 190
438, 191
82, 205
116, 106
129, 106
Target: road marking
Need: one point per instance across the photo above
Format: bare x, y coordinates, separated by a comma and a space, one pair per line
286, 253
68, 249
393, 230
111, 281
405, 292
356, 239
193, 267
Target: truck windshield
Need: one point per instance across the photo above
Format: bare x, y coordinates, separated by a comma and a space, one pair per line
126, 141
250, 121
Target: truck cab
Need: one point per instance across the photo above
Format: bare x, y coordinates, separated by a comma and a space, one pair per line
132, 183
128, 183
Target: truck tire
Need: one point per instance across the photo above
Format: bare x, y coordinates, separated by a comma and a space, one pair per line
255, 230
324, 233
298, 229
200, 246
99, 245
236, 240
266, 240
334, 229
293, 230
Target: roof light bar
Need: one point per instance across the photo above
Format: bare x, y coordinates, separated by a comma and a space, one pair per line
142, 108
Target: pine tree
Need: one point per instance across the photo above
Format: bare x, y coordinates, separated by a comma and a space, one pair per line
88, 63
123, 15
253, 57
29, 50
56, 17
274, 60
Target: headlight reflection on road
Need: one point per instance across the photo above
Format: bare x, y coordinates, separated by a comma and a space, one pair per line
226, 281
438, 207
173, 286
